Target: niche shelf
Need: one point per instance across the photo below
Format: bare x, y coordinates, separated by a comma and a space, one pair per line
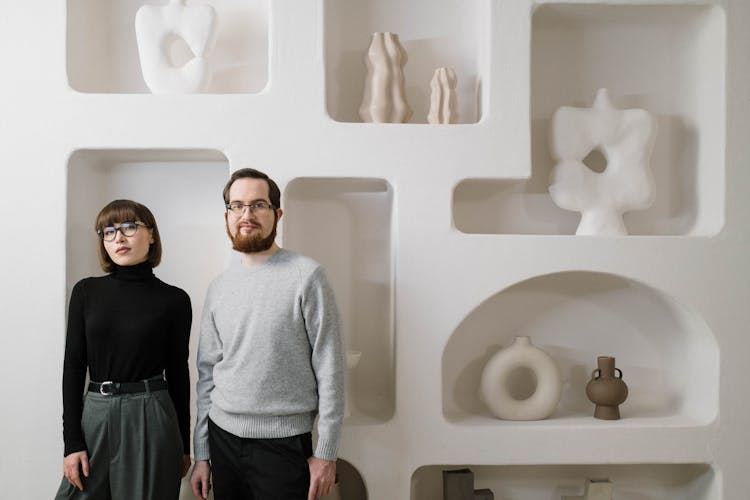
452, 33
346, 225
667, 59
102, 52
693, 481
668, 355
182, 188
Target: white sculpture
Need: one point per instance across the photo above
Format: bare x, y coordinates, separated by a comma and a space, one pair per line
155, 29
384, 99
494, 384
442, 97
596, 489
352, 360
626, 139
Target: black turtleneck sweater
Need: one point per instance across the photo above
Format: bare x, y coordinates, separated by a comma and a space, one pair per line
125, 327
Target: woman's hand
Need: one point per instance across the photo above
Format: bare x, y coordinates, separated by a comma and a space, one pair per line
73, 464
185, 464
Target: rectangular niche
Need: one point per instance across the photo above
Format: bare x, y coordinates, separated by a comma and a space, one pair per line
102, 52
666, 59
450, 33
182, 188
346, 225
630, 482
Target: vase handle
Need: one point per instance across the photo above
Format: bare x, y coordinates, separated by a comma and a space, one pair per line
618, 370
594, 375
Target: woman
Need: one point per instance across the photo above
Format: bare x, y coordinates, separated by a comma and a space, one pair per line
128, 439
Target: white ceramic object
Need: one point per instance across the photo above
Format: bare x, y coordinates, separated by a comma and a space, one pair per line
496, 393
443, 97
352, 360
384, 99
626, 139
155, 29
596, 489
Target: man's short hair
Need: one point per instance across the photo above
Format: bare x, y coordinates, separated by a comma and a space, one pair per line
274, 194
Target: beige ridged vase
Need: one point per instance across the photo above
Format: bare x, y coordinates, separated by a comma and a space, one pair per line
384, 99
443, 97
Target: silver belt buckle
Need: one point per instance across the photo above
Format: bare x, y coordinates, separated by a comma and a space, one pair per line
107, 392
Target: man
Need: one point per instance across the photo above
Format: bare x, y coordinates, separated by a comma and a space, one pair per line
269, 360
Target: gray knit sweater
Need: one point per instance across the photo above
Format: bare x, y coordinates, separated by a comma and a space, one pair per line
270, 356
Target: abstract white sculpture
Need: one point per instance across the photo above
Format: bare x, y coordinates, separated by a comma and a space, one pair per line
442, 97
155, 29
626, 139
384, 99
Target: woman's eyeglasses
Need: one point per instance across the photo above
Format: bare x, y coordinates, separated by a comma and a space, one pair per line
126, 229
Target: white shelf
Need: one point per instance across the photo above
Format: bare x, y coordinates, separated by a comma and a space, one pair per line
441, 242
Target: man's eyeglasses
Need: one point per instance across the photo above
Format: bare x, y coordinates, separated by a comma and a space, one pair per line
238, 208
126, 228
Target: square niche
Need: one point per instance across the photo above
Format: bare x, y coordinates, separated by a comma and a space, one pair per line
102, 52
451, 33
666, 59
346, 225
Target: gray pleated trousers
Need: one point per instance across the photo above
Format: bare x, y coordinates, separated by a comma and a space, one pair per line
134, 448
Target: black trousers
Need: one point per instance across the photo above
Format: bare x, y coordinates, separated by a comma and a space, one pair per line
259, 469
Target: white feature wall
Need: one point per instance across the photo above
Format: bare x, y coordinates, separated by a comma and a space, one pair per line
441, 242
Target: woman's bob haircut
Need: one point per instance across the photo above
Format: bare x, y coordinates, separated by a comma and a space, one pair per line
119, 211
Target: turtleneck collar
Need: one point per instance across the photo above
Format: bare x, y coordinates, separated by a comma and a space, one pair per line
138, 272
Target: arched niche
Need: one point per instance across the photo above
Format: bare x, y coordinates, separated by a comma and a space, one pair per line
669, 356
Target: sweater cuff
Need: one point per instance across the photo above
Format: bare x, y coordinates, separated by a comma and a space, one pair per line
201, 450
327, 449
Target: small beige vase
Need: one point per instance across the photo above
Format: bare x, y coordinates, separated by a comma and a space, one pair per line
443, 97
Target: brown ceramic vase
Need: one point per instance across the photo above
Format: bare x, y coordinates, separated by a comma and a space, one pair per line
606, 389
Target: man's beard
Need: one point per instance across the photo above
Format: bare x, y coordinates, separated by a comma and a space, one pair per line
249, 243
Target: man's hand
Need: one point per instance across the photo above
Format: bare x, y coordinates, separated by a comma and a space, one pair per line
322, 477
200, 480
73, 464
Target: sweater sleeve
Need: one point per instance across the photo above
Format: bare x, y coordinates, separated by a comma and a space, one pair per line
177, 371
209, 353
323, 330
74, 371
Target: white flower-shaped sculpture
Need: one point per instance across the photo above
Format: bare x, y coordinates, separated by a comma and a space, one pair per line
155, 29
625, 139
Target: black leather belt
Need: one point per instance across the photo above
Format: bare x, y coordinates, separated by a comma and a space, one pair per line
109, 388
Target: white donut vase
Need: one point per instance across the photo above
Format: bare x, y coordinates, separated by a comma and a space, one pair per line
496, 393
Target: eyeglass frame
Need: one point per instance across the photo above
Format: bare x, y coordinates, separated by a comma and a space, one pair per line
136, 223
252, 207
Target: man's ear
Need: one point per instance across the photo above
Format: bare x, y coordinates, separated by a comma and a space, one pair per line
279, 213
